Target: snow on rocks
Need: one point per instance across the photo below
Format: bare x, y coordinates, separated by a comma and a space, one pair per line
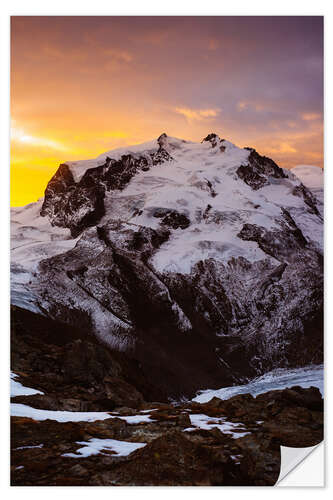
97, 446
201, 421
22, 410
29, 447
310, 376
313, 178
17, 389
236, 438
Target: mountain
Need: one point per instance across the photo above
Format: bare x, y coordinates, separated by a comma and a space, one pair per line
203, 262
312, 177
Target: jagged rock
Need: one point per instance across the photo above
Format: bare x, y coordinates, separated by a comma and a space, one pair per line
172, 218
70, 205
79, 205
258, 169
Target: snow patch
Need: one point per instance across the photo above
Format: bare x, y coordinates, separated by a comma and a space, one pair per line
17, 389
96, 446
22, 410
29, 447
201, 421
281, 378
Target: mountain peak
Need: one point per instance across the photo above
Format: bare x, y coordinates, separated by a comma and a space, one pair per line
162, 139
213, 138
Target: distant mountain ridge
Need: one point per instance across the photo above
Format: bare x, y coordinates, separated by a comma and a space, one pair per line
313, 178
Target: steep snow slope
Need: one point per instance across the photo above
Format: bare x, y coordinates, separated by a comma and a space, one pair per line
202, 260
33, 238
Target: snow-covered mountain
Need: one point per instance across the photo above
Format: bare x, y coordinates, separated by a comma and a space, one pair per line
312, 177
203, 261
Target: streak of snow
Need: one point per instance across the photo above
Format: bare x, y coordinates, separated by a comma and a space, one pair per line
28, 447
274, 380
21, 410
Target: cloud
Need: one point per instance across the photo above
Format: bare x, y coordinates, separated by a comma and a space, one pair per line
283, 147
198, 114
213, 44
119, 55
242, 105
18, 135
309, 117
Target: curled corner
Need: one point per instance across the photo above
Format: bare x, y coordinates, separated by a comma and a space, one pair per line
291, 458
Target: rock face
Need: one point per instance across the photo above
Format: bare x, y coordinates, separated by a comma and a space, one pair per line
74, 372
201, 261
78, 205
258, 169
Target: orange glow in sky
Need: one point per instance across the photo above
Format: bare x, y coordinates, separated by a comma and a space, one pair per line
84, 85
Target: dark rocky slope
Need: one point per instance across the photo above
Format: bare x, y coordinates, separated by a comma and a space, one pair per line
78, 374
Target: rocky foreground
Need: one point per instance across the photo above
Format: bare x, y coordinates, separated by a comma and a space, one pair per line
135, 440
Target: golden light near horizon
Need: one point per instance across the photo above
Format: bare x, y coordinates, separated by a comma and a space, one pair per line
79, 87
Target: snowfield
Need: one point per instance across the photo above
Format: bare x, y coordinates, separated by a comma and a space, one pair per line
309, 376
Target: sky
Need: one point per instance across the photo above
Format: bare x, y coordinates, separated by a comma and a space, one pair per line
84, 85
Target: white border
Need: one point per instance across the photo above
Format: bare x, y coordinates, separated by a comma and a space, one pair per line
142, 7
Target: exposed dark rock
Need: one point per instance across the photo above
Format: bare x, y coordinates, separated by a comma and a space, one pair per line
258, 170
172, 218
70, 205
308, 198
277, 243
251, 177
212, 138
78, 373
